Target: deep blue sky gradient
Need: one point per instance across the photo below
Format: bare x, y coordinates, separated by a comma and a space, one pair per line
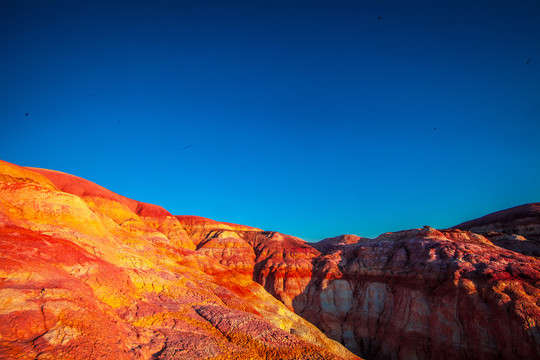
313, 118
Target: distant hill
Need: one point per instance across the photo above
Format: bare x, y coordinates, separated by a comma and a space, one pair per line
517, 228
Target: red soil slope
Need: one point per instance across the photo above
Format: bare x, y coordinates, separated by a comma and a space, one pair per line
88, 274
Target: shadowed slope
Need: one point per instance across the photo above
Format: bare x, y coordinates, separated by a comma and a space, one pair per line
523, 220
516, 229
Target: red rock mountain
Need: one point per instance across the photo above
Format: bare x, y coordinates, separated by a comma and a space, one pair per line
87, 273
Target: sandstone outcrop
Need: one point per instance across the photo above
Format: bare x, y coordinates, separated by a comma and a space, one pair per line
415, 294
87, 273
427, 294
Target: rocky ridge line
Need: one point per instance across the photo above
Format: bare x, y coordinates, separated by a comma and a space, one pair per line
87, 273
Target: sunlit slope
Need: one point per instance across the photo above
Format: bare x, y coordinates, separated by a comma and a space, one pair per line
86, 273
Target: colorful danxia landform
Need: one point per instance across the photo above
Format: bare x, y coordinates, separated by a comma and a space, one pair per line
88, 274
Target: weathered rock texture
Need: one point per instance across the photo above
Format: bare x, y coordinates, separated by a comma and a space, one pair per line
416, 294
88, 273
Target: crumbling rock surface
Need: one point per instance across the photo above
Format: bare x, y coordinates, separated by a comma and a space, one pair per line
414, 294
428, 294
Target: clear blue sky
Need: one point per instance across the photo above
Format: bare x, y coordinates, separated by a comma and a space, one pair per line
313, 118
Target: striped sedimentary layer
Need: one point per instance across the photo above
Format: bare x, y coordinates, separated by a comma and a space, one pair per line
88, 273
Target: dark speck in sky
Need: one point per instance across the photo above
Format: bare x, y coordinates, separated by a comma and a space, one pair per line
26, 114
186, 147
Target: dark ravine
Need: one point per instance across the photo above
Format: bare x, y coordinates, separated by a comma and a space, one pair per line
75, 255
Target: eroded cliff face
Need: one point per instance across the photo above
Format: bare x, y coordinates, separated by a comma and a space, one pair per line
416, 294
428, 294
86, 273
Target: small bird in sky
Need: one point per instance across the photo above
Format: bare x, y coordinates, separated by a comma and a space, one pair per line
379, 18
186, 147
528, 61
26, 114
